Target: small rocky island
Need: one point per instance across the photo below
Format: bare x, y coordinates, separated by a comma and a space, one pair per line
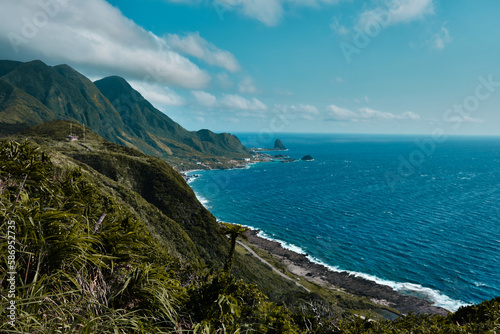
278, 146
307, 158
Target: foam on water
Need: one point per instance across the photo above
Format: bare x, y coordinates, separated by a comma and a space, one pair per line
416, 290
202, 200
283, 244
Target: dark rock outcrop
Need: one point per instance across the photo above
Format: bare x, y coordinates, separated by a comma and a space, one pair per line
307, 158
278, 145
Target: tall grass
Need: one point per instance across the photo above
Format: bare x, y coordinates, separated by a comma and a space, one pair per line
74, 275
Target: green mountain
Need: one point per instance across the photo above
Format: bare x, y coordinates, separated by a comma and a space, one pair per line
67, 94
20, 110
159, 132
32, 93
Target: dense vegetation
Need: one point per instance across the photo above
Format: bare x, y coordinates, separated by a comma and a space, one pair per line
95, 254
85, 264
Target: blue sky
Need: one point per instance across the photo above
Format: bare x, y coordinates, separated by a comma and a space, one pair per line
383, 66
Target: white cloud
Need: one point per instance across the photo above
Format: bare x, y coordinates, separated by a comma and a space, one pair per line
205, 99
388, 12
442, 38
305, 111
464, 119
340, 114
159, 96
269, 12
410, 10
93, 36
283, 92
224, 81
247, 86
409, 115
229, 101
469, 119
338, 28
238, 102
366, 114
194, 45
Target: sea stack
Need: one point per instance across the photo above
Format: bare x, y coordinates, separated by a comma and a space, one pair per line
278, 145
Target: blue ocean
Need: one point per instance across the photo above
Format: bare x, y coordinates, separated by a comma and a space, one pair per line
417, 214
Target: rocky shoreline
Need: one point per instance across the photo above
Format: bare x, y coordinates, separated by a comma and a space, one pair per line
383, 295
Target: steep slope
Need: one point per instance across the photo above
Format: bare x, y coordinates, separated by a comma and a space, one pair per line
68, 94
32, 93
19, 110
160, 131
7, 66
147, 182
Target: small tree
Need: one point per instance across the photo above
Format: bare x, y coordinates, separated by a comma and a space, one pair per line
233, 231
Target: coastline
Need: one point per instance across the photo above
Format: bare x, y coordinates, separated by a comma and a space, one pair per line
300, 265
306, 268
383, 295
227, 164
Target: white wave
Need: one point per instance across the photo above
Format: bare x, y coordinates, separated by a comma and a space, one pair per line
283, 244
192, 171
191, 175
202, 200
416, 290
436, 297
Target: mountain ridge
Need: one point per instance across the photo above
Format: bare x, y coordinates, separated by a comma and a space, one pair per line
111, 107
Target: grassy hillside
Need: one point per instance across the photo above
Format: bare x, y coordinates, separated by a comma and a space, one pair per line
128, 173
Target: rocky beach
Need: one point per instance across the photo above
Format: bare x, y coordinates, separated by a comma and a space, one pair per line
300, 265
